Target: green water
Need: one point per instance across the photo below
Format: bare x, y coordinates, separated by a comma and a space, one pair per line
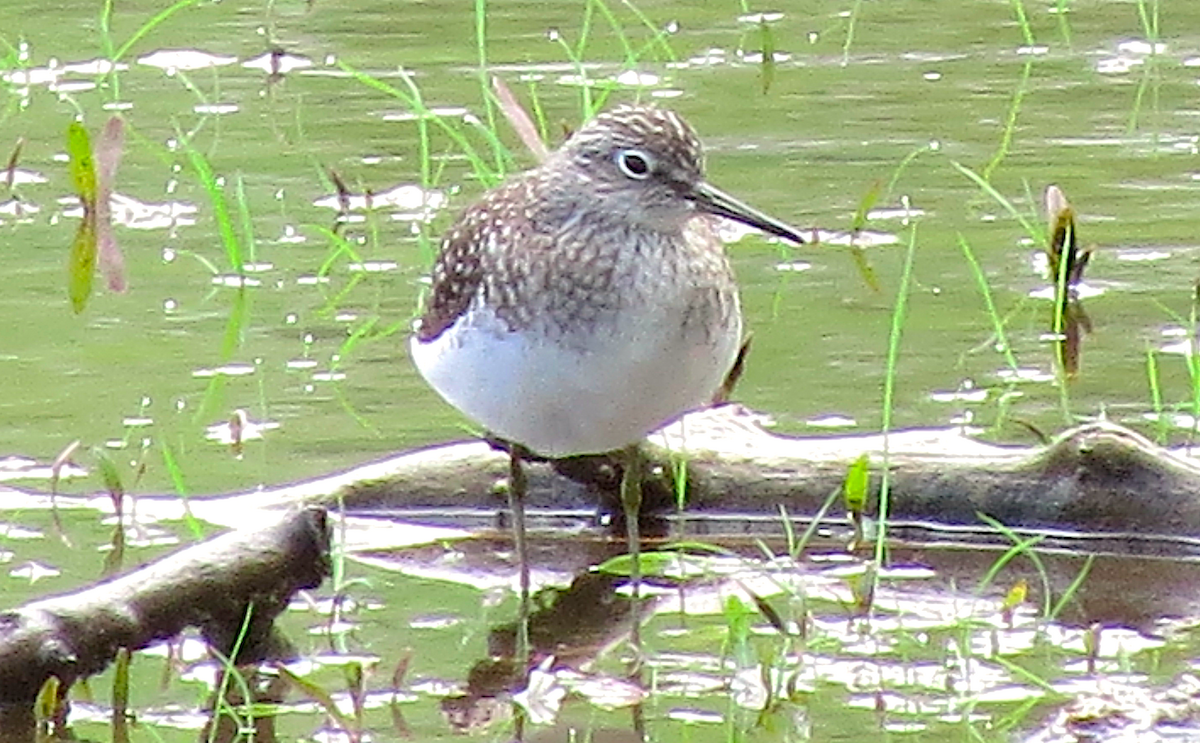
830, 125
923, 83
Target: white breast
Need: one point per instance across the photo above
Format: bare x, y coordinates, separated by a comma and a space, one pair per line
587, 397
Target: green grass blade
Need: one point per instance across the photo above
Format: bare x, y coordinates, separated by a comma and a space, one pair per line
1010, 122
851, 24
1023, 21
1064, 23
216, 197
154, 22
899, 314
247, 223
1072, 589
484, 82
1035, 232
486, 174
986, 292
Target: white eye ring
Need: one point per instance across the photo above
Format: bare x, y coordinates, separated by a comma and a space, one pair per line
635, 164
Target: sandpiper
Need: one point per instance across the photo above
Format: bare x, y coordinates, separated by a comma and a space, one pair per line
584, 303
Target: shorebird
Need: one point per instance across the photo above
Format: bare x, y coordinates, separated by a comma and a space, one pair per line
584, 303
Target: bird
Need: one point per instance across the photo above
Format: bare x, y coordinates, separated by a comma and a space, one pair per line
579, 306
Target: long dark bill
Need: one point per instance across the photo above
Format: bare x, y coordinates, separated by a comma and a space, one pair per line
709, 198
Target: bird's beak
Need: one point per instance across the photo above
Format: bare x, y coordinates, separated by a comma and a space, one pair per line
710, 199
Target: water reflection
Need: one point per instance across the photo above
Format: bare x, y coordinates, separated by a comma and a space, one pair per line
942, 592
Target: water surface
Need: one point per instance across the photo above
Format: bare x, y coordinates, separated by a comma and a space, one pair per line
312, 348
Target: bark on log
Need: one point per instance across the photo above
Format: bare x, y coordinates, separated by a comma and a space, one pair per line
209, 586
1096, 478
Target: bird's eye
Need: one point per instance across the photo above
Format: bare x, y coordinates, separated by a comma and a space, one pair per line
635, 164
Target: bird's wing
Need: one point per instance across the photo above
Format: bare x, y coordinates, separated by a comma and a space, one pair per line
474, 247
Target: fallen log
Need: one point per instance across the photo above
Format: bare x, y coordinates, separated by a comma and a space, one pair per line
211, 586
1096, 478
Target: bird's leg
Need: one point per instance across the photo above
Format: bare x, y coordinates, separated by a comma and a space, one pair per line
517, 485
631, 502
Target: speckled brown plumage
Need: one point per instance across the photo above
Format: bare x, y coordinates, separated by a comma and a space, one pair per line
543, 244
585, 302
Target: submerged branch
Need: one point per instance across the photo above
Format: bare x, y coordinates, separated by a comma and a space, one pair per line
211, 586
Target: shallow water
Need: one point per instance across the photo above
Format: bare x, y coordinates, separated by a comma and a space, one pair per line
313, 347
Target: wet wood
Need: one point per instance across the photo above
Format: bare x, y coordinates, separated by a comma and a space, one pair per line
1100, 477
208, 586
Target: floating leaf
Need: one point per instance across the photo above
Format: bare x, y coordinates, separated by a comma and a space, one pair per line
46, 707
110, 476
859, 221
81, 266
865, 270
1066, 264
738, 619
1075, 324
115, 557
865, 205
108, 157
854, 493
1063, 241
649, 563
1014, 598
83, 167
108, 152
854, 487
767, 47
